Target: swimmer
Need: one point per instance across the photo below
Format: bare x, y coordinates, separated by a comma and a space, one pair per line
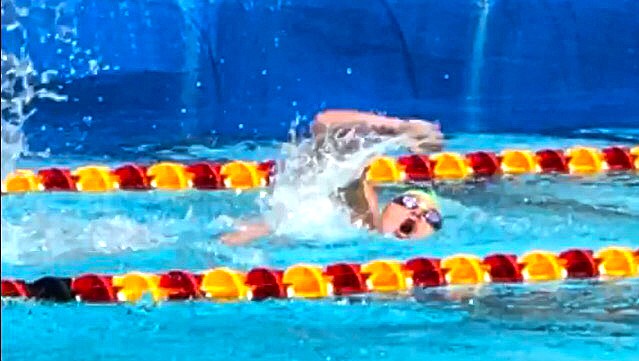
410, 215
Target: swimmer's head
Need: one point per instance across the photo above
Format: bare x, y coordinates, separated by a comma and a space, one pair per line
411, 215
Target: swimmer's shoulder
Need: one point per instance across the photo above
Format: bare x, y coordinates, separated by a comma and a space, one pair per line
355, 197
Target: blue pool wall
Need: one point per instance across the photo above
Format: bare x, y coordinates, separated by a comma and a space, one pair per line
179, 70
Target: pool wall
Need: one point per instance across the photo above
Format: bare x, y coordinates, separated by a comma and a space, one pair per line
139, 71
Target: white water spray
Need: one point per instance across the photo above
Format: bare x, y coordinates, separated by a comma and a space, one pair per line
302, 203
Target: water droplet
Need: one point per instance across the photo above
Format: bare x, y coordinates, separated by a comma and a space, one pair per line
198, 84
43, 128
264, 72
294, 103
100, 99
446, 76
241, 126
349, 71
93, 66
183, 110
221, 60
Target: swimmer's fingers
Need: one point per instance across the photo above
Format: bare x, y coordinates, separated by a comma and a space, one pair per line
426, 145
423, 135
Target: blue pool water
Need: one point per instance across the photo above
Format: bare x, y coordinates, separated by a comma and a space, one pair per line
183, 80
67, 234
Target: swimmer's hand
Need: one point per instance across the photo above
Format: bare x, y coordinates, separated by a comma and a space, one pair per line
246, 233
421, 135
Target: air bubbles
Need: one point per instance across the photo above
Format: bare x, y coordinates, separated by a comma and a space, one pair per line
349, 71
198, 84
264, 72
446, 76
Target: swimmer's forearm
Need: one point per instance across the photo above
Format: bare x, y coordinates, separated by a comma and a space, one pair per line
420, 135
336, 119
246, 234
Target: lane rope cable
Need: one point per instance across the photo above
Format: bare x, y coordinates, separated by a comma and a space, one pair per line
310, 281
445, 166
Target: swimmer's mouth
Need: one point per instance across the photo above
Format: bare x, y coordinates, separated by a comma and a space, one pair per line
406, 228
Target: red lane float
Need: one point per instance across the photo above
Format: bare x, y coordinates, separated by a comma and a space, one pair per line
336, 280
445, 166
132, 177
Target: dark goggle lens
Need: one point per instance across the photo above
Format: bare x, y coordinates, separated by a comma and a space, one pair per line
433, 218
407, 201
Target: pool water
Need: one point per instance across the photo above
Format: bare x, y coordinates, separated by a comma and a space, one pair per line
68, 234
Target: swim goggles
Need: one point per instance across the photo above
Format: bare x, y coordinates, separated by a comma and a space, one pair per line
430, 216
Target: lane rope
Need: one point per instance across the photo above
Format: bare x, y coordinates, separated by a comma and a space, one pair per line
238, 174
310, 281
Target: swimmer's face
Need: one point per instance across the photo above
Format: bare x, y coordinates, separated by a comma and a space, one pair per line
408, 222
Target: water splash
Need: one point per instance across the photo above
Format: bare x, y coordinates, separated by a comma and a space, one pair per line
42, 238
302, 203
22, 85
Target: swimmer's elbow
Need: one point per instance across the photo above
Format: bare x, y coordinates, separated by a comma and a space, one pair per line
328, 119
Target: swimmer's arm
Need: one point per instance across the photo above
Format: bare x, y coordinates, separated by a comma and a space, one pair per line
340, 119
247, 233
373, 204
422, 135
361, 198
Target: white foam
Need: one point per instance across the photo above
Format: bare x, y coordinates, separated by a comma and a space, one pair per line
42, 238
301, 204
